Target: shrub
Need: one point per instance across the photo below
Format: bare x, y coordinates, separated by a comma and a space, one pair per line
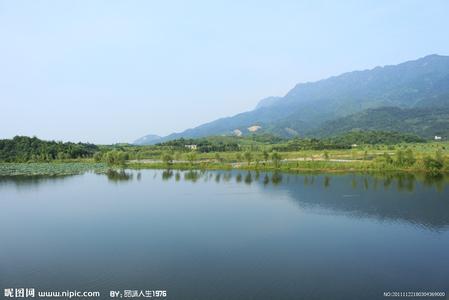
167, 158
115, 157
276, 158
248, 157
433, 165
98, 156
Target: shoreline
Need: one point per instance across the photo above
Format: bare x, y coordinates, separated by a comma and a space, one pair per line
62, 168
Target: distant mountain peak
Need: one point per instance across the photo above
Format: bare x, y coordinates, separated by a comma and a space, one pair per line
266, 102
148, 139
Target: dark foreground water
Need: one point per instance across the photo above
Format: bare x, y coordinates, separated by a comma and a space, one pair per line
226, 235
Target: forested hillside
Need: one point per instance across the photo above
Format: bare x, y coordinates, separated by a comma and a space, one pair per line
424, 122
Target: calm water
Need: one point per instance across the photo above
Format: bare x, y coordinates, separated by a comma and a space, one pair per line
226, 235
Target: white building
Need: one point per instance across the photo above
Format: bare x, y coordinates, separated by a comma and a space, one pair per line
191, 147
437, 138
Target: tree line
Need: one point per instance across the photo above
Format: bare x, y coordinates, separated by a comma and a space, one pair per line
25, 149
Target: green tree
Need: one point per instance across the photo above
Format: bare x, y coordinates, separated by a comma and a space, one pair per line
167, 158
191, 157
433, 165
98, 156
23, 149
257, 160
177, 155
115, 157
266, 155
409, 158
276, 158
387, 158
439, 156
365, 155
248, 157
218, 157
238, 156
400, 158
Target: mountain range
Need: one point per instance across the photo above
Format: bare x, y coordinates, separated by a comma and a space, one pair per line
409, 97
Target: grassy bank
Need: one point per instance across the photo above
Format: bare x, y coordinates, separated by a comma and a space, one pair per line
420, 157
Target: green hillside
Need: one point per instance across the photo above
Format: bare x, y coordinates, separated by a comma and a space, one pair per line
424, 122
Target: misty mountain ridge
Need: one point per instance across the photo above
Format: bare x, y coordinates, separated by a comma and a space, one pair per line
148, 140
418, 88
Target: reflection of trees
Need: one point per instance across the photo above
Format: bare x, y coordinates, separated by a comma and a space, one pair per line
227, 176
327, 181
118, 175
266, 179
365, 183
434, 179
248, 178
405, 182
408, 202
191, 176
376, 182
167, 174
387, 182
354, 183
276, 178
28, 181
238, 178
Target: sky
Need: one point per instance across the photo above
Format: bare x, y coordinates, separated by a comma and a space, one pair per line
113, 71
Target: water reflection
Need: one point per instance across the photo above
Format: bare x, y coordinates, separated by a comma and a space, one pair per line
402, 182
276, 178
30, 181
401, 197
167, 174
417, 199
227, 177
280, 232
119, 175
248, 178
238, 178
192, 176
327, 181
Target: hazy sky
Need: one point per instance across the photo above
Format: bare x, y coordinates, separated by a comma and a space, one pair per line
112, 71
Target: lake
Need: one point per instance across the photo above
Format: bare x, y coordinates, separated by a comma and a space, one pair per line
226, 234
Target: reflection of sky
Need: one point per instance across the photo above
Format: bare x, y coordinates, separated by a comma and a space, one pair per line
252, 238
418, 200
